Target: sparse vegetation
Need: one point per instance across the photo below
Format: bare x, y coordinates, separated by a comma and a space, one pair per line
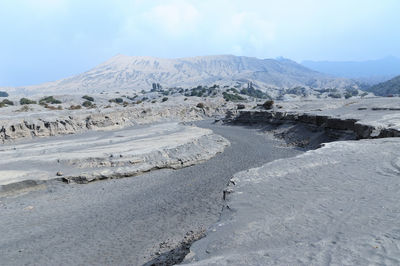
87, 104
232, 97
24, 101
164, 99
88, 98
268, 104
75, 107
49, 99
300, 91
251, 91
116, 100
6, 102
335, 95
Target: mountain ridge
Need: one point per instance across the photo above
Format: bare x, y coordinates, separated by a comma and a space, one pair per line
387, 88
371, 71
136, 73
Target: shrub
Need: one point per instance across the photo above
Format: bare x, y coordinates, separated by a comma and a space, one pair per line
88, 98
200, 105
49, 99
268, 104
23, 101
232, 97
185, 99
3, 94
116, 100
7, 102
153, 101
164, 99
87, 104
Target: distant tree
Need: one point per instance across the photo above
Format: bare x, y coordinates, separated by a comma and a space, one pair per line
3, 94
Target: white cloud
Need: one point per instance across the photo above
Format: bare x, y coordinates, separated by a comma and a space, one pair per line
173, 18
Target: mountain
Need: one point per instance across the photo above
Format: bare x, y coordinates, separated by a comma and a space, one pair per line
372, 71
390, 87
135, 73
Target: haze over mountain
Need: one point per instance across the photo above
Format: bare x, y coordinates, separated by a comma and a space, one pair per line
372, 71
137, 73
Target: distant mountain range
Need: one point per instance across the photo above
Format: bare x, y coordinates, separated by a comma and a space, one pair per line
372, 71
135, 73
390, 87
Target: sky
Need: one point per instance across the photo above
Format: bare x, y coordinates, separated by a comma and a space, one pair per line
45, 40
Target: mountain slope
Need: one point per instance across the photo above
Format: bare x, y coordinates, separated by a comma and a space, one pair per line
137, 73
373, 71
390, 87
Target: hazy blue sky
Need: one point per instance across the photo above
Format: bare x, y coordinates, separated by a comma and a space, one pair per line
44, 40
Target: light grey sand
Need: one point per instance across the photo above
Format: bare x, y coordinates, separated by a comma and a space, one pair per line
108, 154
338, 205
126, 221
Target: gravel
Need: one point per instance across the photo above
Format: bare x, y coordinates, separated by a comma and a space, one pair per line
131, 220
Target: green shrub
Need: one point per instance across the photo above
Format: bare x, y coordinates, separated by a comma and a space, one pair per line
7, 102
23, 101
232, 97
87, 104
164, 99
88, 98
49, 99
116, 100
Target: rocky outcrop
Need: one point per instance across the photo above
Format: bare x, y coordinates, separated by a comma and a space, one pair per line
76, 122
193, 152
361, 130
91, 156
